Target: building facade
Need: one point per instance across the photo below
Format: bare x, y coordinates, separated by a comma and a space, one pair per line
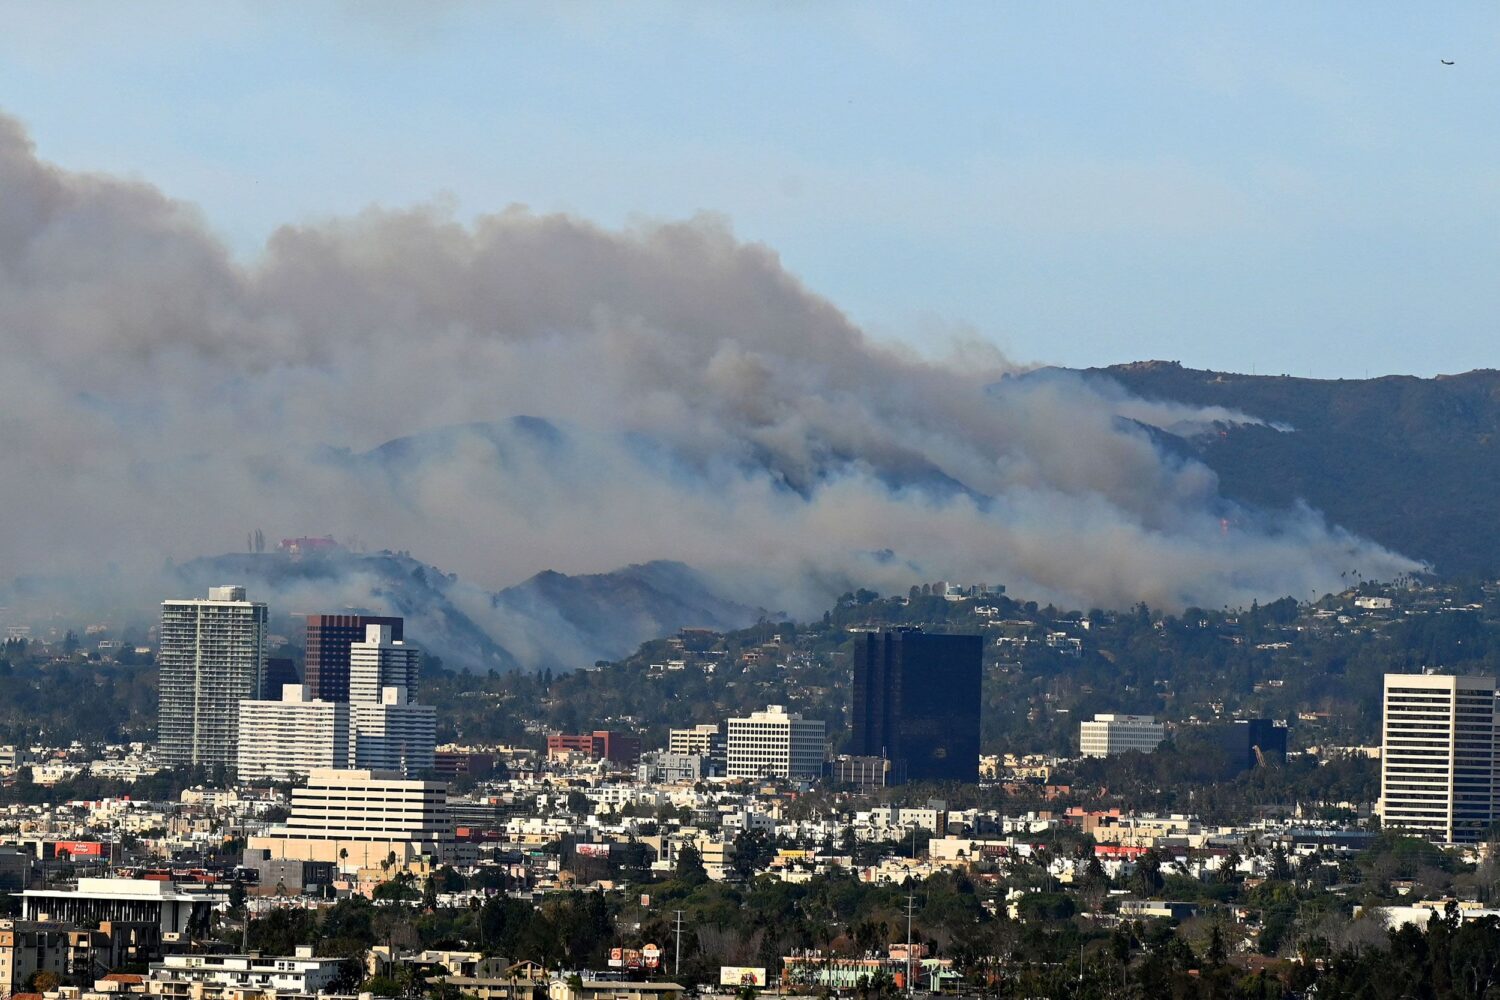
392, 734
201, 977
326, 667
866, 774
602, 744
380, 660
177, 913
289, 737
775, 744
1253, 743
917, 703
358, 818
280, 671
700, 741
1437, 766
1111, 734
666, 767
211, 655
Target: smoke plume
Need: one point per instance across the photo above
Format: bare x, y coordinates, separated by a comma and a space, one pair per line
158, 399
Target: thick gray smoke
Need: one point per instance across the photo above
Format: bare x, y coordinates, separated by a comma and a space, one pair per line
159, 399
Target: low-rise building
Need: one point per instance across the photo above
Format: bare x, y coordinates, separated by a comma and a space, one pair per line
203, 977
176, 910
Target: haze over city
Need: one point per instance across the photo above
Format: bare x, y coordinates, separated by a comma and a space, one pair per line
672, 501
769, 288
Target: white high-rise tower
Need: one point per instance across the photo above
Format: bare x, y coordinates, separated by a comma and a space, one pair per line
210, 654
388, 730
381, 662
1438, 747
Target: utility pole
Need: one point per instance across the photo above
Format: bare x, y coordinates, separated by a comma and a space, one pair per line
677, 947
911, 904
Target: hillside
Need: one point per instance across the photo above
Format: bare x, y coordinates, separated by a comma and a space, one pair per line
552, 621
1412, 463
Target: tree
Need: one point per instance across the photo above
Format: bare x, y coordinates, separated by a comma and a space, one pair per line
1148, 877
1281, 870
43, 980
690, 866
752, 849
381, 986
1217, 954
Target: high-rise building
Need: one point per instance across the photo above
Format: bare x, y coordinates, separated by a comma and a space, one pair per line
380, 660
358, 818
917, 702
280, 671
326, 667
379, 726
1111, 734
389, 731
775, 744
289, 737
211, 654
1252, 742
1437, 764
392, 734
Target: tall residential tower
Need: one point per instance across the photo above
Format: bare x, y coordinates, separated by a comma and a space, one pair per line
210, 654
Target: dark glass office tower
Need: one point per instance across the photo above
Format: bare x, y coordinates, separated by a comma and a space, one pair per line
279, 673
1249, 742
916, 703
326, 670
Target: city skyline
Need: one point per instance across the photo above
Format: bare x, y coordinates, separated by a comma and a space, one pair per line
673, 501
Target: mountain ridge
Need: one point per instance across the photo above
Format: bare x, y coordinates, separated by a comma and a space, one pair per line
1411, 462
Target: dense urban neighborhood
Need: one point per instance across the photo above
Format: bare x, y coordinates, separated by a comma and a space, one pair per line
947, 790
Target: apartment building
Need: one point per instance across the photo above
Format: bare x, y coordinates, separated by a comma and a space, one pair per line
211, 655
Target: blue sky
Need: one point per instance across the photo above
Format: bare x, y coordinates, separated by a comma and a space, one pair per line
1289, 188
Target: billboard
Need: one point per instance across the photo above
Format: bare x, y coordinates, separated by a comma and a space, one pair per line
651, 955
624, 958
741, 975
78, 849
591, 850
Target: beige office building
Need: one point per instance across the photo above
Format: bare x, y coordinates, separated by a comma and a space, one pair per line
358, 818
698, 741
1111, 734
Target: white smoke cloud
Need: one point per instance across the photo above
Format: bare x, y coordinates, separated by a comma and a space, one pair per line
158, 399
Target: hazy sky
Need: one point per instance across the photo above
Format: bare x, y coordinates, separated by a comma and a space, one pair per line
1290, 188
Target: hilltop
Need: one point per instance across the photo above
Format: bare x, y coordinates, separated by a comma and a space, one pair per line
1413, 463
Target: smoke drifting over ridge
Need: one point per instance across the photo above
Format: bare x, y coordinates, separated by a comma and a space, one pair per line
159, 399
